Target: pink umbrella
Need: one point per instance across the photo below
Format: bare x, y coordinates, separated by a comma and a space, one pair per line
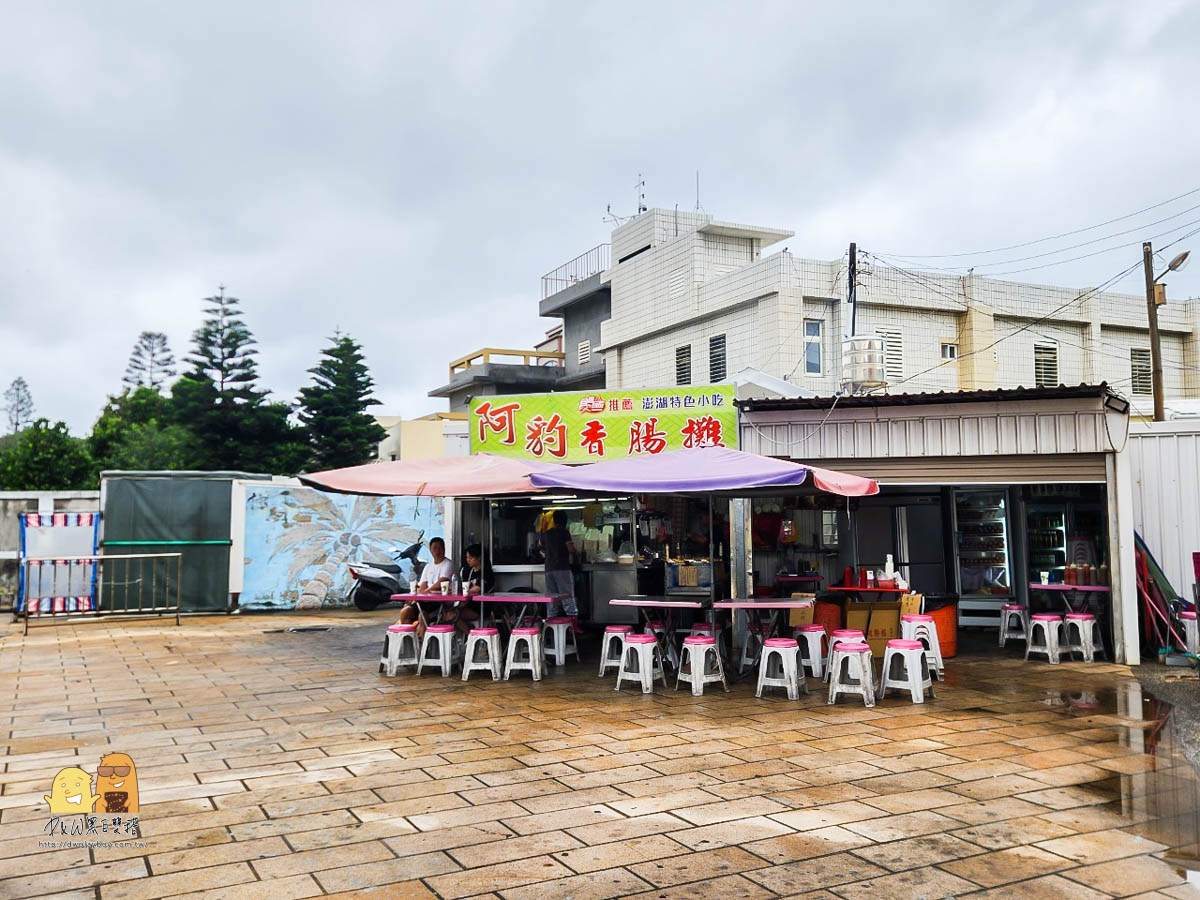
450, 476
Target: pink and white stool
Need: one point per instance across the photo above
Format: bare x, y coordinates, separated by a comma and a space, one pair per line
442, 640
558, 637
612, 648
852, 672
920, 627
780, 667
707, 629
700, 664
526, 652
482, 653
658, 629
1014, 622
905, 667
841, 636
812, 651
1190, 632
1088, 639
1050, 627
399, 649
641, 662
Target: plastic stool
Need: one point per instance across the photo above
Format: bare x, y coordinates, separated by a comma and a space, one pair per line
1087, 630
1190, 631
841, 636
696, 667
641, 662
1050, 626
399, 649
812, 653
441, 639
707, 629
779, 667
905, 667
1019, 631
852, 672
753, 636
920, 627
487, 640
558, 637
658, 629
533, 659
614, 638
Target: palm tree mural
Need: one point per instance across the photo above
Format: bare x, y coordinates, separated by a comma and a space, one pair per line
328, 530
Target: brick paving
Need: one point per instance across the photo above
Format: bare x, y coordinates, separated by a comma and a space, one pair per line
282, 765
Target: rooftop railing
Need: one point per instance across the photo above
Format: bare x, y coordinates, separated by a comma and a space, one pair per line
578, 269
487, 354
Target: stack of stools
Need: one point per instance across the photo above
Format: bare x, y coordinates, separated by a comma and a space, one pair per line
1014, 622
906, 667
700, 664
442, 640
399, 649
482, 652
780, 667
812, 652
612, 648
707, 629
841, 636
851, 672
1050, 627
559, 639
641, 662
1088, 639
1190, 632
526, 652
919, 627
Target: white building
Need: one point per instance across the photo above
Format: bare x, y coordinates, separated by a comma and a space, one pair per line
689, 299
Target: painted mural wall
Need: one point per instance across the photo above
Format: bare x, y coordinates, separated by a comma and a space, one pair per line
299, 540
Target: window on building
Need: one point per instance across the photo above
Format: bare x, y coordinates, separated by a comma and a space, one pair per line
893, 354
1142, 371
1045, 365
812, 346
683, 364
585, 352
949, 351
716, 358
829, 529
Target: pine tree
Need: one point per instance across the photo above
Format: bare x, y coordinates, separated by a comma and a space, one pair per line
151, 363
18, 405
224, 351
340, 433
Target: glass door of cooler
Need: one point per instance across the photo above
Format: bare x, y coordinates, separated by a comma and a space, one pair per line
983, 553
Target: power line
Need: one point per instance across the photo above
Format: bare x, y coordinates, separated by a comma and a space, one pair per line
1052, 237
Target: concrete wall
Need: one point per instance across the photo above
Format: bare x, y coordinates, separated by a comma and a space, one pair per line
581, 322
1165, 463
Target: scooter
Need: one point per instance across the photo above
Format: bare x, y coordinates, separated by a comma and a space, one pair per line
375, 582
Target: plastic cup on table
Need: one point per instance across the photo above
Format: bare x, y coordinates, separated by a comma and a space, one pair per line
1045, 577
445, 588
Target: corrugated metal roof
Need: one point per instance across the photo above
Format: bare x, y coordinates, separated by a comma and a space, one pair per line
1062, 392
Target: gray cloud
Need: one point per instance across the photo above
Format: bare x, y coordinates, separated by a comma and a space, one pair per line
406, 173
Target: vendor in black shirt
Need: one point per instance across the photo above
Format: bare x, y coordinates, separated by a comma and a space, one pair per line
469, 576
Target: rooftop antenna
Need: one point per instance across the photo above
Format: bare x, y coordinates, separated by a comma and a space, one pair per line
699, 208
610, 216
641, 194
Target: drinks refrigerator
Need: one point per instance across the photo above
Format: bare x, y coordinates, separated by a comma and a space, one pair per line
983, 554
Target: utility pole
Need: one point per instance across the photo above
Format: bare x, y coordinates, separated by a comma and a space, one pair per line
852, 279
1156, 377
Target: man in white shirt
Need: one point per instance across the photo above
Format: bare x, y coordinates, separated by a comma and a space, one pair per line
432, 576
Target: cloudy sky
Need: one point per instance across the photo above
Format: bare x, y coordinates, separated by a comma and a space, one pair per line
406, 172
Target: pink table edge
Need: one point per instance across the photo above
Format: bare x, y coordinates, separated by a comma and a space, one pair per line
763, 604
513, 598
1035, 585
671, 604
432, 598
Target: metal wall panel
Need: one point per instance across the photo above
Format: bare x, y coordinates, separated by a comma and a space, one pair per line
1076, 468
1165, 460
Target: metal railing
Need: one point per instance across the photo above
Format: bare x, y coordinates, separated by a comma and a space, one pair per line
578, 269
484, 356
69, 587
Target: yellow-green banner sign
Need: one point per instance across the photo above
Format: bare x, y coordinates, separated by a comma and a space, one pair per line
593, 425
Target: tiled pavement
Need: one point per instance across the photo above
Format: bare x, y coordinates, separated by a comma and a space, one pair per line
281, 765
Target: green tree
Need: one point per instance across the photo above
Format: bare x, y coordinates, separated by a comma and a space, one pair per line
149, 446
45, 457
340, 433
18, 405
220, 402
142, 406
151, 363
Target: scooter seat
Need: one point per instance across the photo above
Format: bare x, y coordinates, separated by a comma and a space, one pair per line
390, 568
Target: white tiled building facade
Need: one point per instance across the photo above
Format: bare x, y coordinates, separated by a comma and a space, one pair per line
696, 299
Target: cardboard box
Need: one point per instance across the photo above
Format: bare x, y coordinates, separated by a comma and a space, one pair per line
797, 617
880, 622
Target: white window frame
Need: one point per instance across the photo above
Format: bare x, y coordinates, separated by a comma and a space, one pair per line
585, 352
1144, 378
814, 339
1038, 379
683, 356
953, 348
893, 354
712, 357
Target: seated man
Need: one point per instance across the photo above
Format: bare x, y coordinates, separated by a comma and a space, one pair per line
434, 575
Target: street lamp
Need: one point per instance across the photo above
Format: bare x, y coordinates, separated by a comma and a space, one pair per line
1152, 311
